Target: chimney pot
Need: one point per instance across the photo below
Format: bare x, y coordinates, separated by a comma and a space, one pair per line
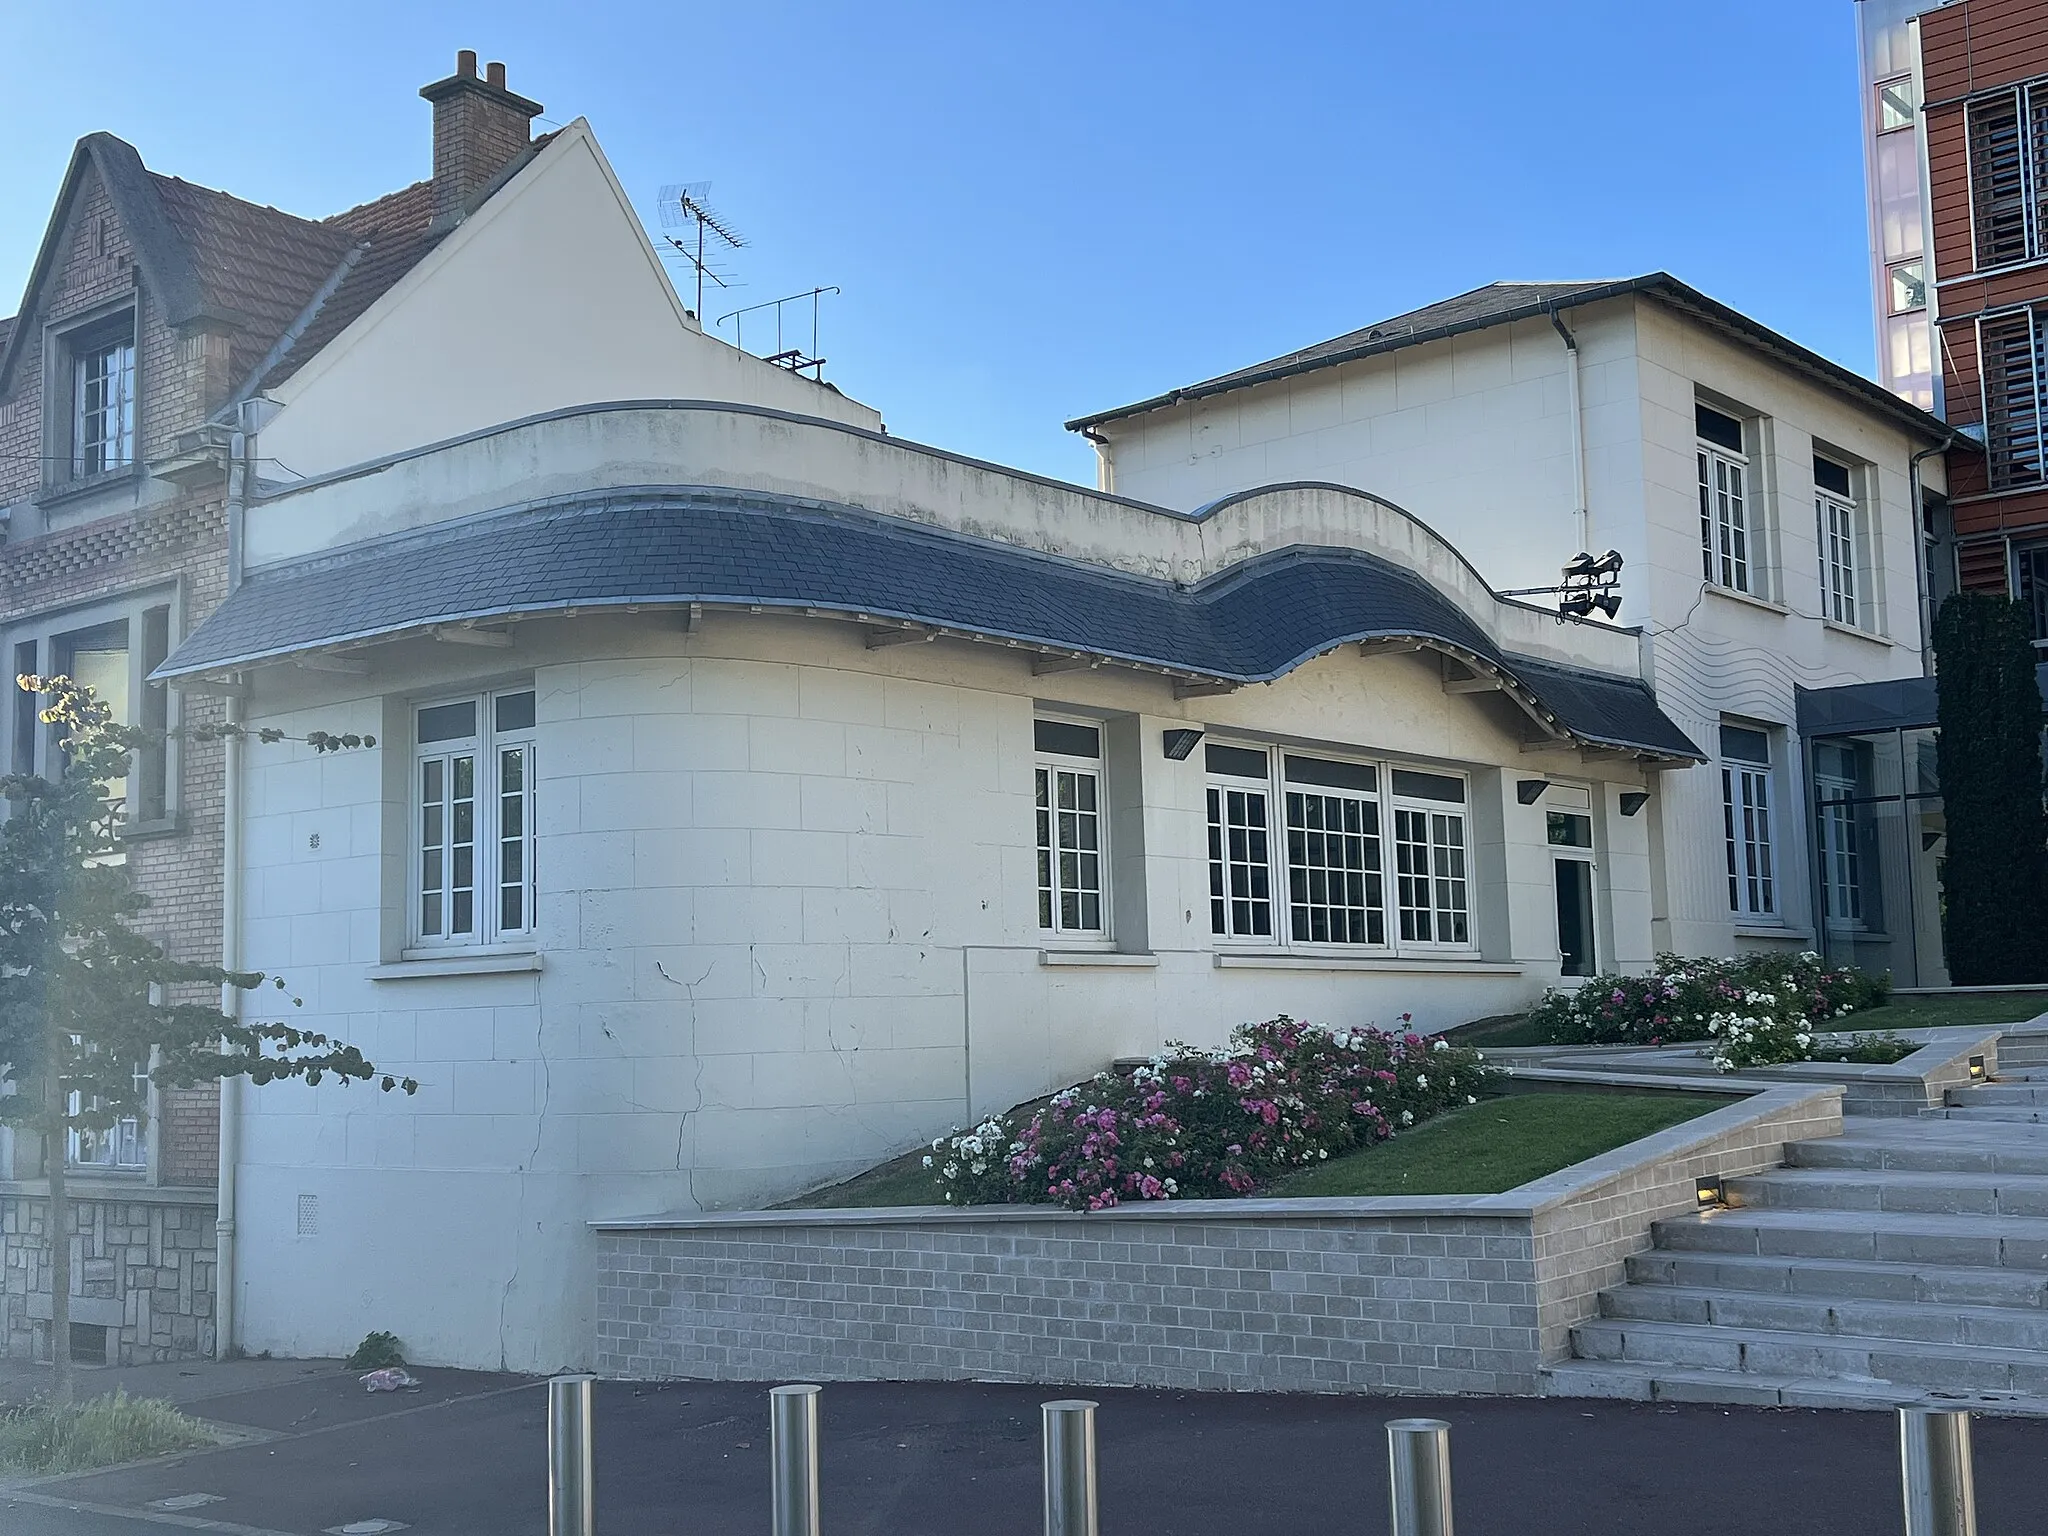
465, 63
495, 73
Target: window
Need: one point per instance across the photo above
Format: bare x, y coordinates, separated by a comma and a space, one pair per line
103, 403
1835, 527
1335, 885
2008, 141
1724, 499
1240, 858
473, 880
1068, 787
120, 1145
113, 649
1908, 287
2009, 352
1746, 818
1898, 105
1333, 859
2030, 582
1835, 780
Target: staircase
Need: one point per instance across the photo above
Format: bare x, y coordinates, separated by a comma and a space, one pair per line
1904, 1261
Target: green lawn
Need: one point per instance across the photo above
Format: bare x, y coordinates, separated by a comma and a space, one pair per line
1497, 1144
1479, 1150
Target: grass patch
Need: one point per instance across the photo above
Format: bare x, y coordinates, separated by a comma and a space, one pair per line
901, 1181
1496, 1144
99, 1432
1502, 1030
1943, 1009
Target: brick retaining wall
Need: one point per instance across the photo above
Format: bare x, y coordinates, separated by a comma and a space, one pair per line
1410, 1294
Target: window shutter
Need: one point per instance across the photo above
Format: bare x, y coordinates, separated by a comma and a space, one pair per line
2037, 170
1999, 180
2012, 406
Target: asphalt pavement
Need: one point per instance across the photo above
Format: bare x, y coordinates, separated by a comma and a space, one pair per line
466, 1453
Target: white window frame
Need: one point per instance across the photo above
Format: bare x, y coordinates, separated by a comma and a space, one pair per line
1749, 830
486, 747
1839, 856
1838, 532
1727, 531
1234, 881
122, 1147
103, 406
1057, 879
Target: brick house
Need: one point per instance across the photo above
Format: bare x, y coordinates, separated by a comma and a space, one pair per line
156, 314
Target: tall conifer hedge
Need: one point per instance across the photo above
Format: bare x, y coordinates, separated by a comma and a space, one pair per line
1996, 881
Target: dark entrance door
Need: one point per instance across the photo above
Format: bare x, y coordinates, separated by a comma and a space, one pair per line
1575, 915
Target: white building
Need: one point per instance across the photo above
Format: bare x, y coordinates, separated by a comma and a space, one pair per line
1760, 495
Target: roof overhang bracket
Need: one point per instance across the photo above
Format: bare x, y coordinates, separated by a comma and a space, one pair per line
1459, 677
1199, 688
210, 687
341, 666
878, 639
1044, 664
468, 634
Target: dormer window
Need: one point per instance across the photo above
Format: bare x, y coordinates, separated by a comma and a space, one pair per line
103, 400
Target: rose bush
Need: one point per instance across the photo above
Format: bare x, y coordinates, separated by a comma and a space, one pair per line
1194, 1124
1681, 998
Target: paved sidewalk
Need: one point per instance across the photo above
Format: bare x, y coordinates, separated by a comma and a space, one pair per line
466, 1454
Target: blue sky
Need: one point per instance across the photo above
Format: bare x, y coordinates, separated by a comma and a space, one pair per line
1041, 210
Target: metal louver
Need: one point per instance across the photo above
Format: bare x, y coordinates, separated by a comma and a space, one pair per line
2009, 346
2001, 179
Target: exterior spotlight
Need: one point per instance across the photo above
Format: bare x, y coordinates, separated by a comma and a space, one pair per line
1633, 800
1711, 1190
1529, 791
1977, 1069
1179, 743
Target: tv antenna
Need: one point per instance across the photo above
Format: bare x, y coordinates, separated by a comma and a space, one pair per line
706, 236
792, 358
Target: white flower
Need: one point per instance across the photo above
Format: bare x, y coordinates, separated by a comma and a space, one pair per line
1421, 1081
1442, 1044
1322, 1152
1148, 1162
1407, 1117
1172, 1188
927, 1160
951, 1170
1471, 1099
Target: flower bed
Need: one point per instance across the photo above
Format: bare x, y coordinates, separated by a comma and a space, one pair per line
1196, 1124
1774, 997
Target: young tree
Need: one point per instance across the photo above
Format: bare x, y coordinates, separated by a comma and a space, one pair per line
1996, 923
85, 999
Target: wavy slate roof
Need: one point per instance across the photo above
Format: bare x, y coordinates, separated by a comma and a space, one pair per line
1252, 623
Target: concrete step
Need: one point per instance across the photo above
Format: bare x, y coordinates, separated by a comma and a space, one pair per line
1841, 1279
1884, 1190
1955, 1152
1982, 1095
2016, 1114
1969, 1242
2023, 1050
2017, 1330
2006, 1074
1679, 1384
1902, 1363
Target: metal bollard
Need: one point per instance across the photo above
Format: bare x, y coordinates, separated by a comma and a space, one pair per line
793, 1460
1069, 1467
1934, 1464
572, 1491
1419, 1471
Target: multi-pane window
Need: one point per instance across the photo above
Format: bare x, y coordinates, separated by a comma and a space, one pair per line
1429, 858
2010, 349
1240, 850
121, 1145
2008, 138
103, 406
473, 879
1835, 526
1067, 783
1724, 499
113, 655
1335, 885
1746, 820
1332, 859
1841, 875
2030, 581
1898, 104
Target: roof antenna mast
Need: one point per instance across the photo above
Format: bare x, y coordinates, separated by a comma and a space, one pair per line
706, 237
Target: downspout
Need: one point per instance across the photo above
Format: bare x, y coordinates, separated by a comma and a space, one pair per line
1920, 594
1105, 467
230, 938
1582, 517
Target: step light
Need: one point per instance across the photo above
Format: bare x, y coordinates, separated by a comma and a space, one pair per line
1712, 1190
1977, 1071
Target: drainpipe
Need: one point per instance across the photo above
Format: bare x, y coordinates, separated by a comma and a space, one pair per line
1582, 517
1105, 469
1920, 593
230, 939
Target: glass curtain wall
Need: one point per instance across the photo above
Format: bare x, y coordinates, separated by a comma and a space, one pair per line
1879, 839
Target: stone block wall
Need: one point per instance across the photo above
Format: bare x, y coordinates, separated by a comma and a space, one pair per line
142, 1268
1412, 1294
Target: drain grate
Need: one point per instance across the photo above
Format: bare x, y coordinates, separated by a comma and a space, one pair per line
186, 1501
366, 1528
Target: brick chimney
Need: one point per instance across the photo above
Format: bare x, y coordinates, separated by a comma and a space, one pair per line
479, 129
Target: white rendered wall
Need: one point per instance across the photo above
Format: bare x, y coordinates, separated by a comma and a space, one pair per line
1472, 435
548, 296
788, 928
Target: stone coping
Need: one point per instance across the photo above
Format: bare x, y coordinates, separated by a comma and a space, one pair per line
110, 1192
1946, 1047
1761, 1101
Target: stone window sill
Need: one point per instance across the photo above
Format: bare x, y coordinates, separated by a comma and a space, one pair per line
143, 831
1857, 634
1097, 957
419, 967
1771, 931
1748, 600
70, 490
1444, 965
